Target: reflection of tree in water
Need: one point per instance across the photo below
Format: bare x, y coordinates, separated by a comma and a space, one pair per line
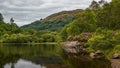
11, 53
48, 62
84, 61
8, 58
12, 65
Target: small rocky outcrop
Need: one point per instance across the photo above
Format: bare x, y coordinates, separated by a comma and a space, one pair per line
97, 54
71, 47
83, 37
75, 44
116, 56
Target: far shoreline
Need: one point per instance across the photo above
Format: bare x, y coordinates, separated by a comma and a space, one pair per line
30, 43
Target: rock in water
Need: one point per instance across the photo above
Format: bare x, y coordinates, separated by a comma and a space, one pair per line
97, 54
116, 56
71, 47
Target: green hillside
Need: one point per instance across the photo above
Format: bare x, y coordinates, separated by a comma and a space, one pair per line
102, 20
54, 22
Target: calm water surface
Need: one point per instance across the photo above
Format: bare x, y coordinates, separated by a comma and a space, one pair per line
44, 56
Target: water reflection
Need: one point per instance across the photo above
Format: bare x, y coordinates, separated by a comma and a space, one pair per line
44, 56
84, 61
31, 56
23, 64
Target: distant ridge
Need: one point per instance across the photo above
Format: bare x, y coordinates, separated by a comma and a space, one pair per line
54, 22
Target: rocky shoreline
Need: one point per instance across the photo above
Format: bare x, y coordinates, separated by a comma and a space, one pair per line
115, 63
75, 46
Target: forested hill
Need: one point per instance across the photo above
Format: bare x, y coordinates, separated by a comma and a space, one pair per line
55, 21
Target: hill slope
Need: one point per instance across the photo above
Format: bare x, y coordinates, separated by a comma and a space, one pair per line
53, 22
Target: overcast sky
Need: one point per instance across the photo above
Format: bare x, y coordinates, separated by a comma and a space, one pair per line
26, 11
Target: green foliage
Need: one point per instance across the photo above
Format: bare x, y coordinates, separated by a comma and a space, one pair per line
108, 16
101, 40
116, 39
48, 25
31, 37
63, 33
9, 28
85, 22
1, 18
116, 49
104, 40
94, 5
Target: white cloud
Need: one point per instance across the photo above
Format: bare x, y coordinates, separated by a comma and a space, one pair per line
26, 11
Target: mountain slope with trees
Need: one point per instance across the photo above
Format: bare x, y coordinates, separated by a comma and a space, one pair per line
54, 22
102, 19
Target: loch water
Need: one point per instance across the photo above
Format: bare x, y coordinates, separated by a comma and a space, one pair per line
44, 56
